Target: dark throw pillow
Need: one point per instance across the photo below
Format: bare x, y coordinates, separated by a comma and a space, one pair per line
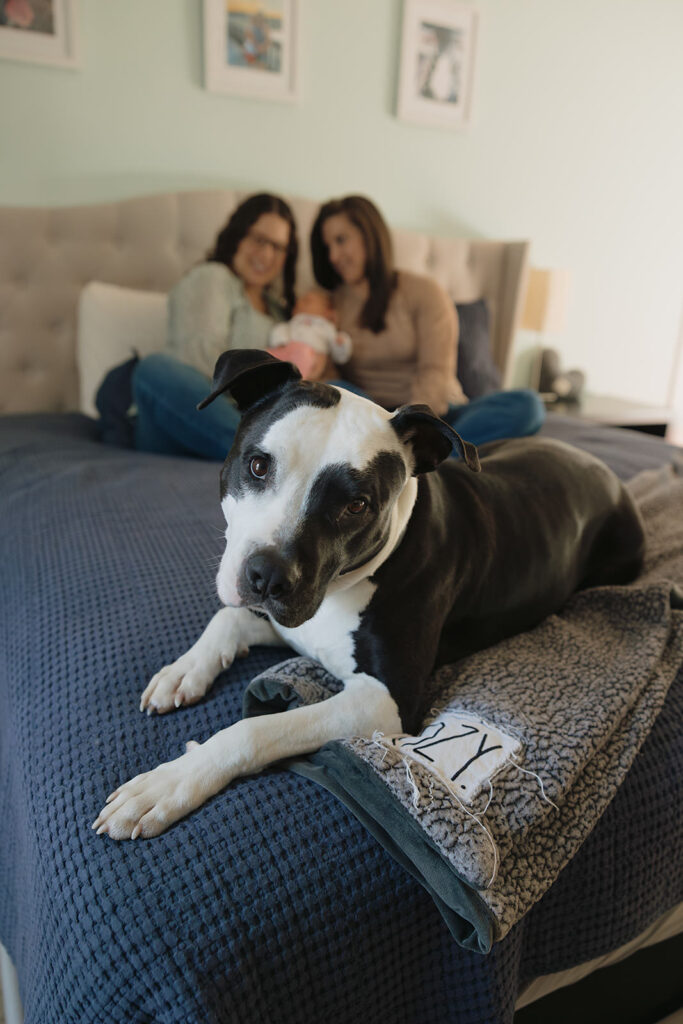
113, 400
477, 372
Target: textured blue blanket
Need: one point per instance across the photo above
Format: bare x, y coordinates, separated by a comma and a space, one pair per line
271, 903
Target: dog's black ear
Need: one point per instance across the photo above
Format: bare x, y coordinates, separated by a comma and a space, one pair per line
249, 374
431, 439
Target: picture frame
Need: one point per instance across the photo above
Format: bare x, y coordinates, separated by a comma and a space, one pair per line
40, 32
438, 53
251, 48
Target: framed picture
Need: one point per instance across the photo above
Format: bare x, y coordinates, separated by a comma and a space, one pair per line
41, 31
437, 62
251, 48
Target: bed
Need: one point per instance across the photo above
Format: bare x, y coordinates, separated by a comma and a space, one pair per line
274, 902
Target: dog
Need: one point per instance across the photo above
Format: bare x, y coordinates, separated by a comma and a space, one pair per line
355, 539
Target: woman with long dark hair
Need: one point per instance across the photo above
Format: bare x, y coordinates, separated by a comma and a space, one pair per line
404, 328
231, 300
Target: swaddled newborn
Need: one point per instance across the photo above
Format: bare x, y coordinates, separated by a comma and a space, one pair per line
311, 337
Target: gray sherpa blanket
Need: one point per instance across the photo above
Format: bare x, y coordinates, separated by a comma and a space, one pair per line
527, 741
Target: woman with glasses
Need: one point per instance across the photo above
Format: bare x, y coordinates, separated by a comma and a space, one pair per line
231, 300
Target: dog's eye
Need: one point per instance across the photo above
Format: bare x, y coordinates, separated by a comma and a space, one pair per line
357, 506
258, 467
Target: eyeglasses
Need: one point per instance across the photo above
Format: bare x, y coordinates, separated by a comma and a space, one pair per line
260, 241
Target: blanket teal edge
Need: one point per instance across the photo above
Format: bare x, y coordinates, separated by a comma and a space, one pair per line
336, 769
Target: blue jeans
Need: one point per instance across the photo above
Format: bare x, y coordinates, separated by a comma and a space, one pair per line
516, 413
167, 391
501, 414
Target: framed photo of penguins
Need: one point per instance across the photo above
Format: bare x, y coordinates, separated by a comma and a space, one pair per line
438, 52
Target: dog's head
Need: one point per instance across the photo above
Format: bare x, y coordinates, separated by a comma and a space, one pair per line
311, 488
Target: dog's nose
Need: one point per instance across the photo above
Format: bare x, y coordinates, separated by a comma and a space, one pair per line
267, 576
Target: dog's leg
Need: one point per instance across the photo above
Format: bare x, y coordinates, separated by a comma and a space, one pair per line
149, 803
229, 633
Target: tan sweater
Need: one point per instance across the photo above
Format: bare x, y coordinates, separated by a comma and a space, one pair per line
414, 358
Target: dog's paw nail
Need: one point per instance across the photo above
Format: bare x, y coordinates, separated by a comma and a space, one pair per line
226, 660
136, 831
102, 828
178, 700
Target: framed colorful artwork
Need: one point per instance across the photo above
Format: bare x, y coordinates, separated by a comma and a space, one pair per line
40, 31
251, 48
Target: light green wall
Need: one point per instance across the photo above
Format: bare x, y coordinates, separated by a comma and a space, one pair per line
576, 143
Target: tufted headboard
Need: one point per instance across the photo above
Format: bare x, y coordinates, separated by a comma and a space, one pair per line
48, 254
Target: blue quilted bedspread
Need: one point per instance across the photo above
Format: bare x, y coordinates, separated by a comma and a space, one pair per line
271, 903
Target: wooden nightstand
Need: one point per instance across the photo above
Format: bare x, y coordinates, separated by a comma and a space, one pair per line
616, 412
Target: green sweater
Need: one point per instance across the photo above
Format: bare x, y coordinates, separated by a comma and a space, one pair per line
209, 312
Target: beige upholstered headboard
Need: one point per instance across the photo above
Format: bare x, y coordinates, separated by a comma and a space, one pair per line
48, 254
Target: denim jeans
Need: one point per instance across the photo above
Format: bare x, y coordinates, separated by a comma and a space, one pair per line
501, 414
167, 392
515, 413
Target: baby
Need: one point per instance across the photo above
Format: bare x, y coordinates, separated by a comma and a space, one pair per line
311, 336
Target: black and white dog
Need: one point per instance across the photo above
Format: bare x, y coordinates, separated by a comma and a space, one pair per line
346, 541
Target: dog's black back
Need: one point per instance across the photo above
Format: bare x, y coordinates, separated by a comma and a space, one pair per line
488, 555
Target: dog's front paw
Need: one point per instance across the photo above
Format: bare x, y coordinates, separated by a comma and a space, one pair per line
184, 682
150, 802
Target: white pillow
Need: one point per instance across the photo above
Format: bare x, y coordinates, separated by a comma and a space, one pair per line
112, 321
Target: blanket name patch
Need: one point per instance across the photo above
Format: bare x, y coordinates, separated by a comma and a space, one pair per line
464, 752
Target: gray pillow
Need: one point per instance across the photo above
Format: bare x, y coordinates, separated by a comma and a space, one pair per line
476, 370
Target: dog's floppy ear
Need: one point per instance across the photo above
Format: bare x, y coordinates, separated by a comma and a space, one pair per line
431, 439
249, 374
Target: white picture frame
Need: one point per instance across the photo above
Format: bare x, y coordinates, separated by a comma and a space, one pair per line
40, 32
438, 53
251, 48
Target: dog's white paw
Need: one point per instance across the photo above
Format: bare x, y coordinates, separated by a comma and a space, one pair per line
185, 681
150, 802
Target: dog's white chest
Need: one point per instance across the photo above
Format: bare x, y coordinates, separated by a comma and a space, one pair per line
328, 636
